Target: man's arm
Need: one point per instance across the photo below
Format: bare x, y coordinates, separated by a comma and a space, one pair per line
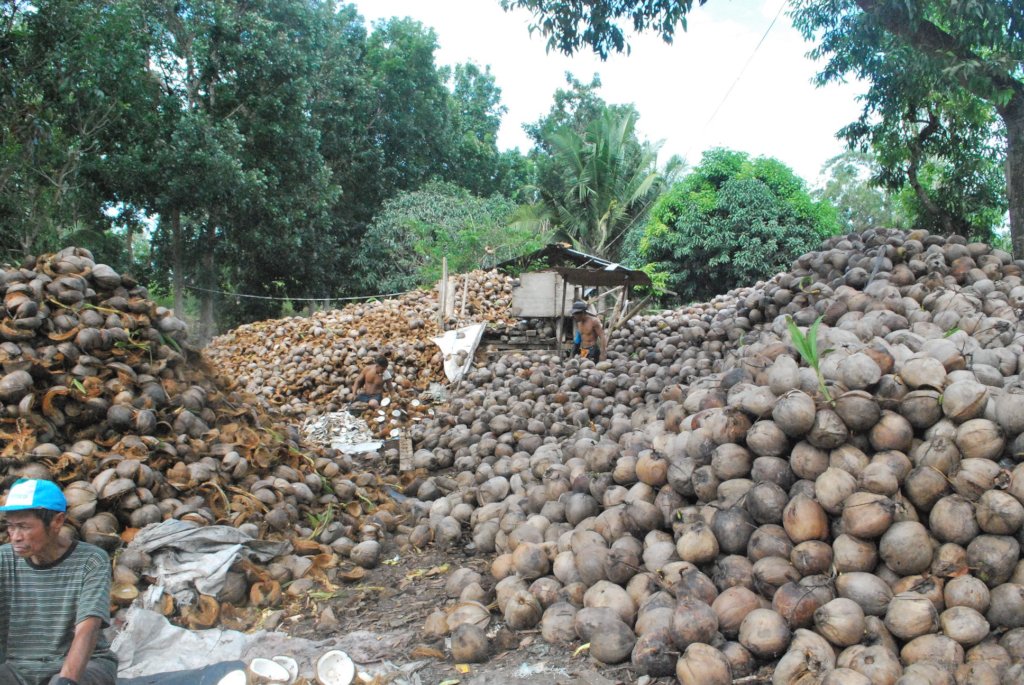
82, 645
360, 380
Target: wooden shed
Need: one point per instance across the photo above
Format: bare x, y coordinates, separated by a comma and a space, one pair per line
551, 278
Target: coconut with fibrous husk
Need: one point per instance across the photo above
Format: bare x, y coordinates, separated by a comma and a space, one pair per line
879, 664
804, 519
702, 664
845, 676
765, 633
906, 548
999, 513
911, 615
867, 590
840, 621
867, 515
809, 658
469, 644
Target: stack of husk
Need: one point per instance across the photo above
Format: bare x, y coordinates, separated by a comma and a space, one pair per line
704, 504
99, 391
302, 366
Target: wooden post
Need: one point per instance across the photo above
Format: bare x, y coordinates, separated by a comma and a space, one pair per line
560, 314
442, 299
465, 294
617, 310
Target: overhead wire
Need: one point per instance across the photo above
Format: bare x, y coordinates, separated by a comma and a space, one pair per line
739, 76
298, 299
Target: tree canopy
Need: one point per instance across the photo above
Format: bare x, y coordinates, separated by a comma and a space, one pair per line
967, 49
860, 202
249, 144
414, 230
732, 221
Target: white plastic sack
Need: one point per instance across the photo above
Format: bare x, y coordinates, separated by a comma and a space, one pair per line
458, 348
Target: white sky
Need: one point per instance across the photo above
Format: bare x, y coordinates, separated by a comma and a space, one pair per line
773, 110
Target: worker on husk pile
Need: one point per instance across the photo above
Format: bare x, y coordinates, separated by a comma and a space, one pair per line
591, 341
373, 380
54, 596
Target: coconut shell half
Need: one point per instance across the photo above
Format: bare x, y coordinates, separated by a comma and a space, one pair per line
335, 668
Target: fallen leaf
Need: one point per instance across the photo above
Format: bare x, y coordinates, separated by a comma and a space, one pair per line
422, 651
462, 668
581, 649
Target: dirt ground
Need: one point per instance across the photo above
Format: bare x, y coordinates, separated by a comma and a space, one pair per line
392, 603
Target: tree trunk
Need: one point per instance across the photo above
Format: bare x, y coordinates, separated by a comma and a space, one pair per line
129, 239
206, 295
1013, 117
177, 264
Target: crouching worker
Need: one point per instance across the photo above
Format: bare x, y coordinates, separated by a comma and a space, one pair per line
54, 596
372, 382
591, 341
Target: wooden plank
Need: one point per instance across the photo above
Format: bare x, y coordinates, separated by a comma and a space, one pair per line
404, 453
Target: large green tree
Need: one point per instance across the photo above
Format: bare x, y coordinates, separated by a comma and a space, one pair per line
250, 143
609, 182
595, 178
732, 221
476, 163
861, 203
71, 74
240, 181
415, 230
973, 46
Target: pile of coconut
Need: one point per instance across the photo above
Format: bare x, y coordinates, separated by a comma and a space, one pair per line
818, 474
303, 366
99, 391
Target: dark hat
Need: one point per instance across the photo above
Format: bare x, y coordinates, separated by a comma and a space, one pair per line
579, 306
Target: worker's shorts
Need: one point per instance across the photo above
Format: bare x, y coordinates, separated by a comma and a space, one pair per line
96, 673
363, 397
592, 352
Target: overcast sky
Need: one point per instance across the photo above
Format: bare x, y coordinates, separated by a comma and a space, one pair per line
773, 109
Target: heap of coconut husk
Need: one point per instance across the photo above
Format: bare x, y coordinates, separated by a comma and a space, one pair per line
709, 501
99, 392
304, 366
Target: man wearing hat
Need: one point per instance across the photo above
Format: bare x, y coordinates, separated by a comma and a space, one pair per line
54, 596
591, 342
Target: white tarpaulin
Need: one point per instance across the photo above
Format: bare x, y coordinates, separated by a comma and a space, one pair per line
150, 644
187, 557
458, 348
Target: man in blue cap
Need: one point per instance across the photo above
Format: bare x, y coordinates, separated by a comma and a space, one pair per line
54, 596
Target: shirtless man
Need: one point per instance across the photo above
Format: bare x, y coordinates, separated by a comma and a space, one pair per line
370, 385
592, 343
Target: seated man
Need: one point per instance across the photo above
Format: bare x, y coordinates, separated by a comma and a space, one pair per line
372, 381
54, 596
591, 341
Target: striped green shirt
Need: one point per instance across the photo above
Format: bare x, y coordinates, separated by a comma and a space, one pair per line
41, 605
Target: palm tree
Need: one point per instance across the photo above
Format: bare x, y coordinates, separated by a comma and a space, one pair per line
609, 180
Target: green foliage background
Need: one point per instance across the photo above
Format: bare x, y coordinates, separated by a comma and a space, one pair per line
732, 221
413, 231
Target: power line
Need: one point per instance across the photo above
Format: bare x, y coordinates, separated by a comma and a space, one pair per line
742, 71
298, 299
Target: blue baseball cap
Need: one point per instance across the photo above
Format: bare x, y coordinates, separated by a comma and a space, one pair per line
30, 493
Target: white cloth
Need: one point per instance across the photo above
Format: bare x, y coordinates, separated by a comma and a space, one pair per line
187, 557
